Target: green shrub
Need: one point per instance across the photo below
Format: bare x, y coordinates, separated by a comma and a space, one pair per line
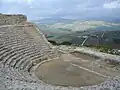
66, 43
53, 42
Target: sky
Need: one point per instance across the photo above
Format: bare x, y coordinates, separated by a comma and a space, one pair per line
71, 9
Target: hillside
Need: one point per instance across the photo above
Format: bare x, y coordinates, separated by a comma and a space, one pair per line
76, 32
83, 25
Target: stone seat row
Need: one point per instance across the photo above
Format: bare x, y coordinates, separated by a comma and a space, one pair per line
19, 53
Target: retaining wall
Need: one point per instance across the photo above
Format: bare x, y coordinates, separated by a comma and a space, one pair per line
6, 19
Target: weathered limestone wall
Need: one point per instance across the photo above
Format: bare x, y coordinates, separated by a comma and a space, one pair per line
6, 19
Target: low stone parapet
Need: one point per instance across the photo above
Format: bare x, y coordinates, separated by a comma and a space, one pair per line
7, 19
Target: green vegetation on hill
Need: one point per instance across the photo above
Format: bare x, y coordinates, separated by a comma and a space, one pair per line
62, 43
99, 34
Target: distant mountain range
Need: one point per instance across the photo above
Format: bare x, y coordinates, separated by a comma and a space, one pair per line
53, 20
63, 20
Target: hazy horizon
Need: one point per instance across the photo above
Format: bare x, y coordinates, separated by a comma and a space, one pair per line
69, 9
